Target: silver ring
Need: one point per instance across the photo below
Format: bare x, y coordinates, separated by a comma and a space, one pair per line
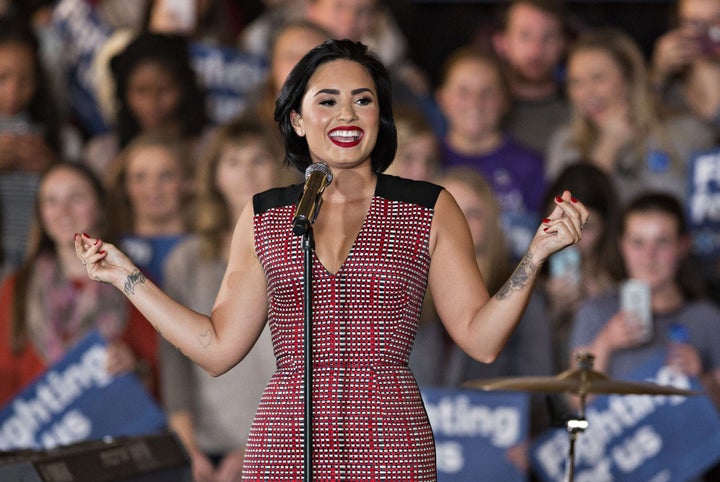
84, 261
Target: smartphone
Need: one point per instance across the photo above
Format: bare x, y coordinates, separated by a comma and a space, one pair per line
15, 126
710, 41
182, 12
566, 264
635, 299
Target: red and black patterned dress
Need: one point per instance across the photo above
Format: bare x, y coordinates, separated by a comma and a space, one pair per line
369, 422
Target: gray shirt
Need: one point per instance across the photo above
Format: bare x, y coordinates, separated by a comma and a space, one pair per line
223, 408
701, 319
667, 153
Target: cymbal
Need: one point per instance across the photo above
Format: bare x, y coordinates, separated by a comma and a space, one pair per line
579, 382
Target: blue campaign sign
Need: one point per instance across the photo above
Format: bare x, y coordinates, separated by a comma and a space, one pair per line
76, 400
638, 438
703, 204
83, 34
474, 431
229, 76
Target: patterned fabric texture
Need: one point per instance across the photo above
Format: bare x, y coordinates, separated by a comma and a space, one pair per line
369, 422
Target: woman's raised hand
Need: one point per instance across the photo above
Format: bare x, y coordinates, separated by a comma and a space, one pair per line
103, 261
561, 228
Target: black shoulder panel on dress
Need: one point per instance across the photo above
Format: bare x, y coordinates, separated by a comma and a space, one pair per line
395, 188
277, 197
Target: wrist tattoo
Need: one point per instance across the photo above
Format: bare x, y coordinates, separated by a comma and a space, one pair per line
134, 278
522, 275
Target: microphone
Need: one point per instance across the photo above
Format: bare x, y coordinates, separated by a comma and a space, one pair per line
317, 177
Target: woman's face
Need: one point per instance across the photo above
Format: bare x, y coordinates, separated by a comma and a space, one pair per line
17, 78
652, 248
153, 95
472, 99
340, 114
351, 19
68, 205
596, 85
244, 168
475, 210
154, 183
289, 48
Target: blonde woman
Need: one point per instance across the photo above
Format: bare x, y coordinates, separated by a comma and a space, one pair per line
213, 416
615, 123
150, 189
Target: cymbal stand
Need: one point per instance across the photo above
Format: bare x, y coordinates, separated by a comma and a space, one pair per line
574, 426
578, 424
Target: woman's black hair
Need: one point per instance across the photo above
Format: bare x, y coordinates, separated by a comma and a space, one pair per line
171, 52
598, 192
42, 109
297, 152
659, 202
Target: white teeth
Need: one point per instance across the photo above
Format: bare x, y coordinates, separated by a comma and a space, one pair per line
349, 135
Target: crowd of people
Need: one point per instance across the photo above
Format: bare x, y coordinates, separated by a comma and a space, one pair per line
521, 124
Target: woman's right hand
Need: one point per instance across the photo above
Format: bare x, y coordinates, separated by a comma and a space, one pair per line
673, 51
103, 261
622, 331
202, 466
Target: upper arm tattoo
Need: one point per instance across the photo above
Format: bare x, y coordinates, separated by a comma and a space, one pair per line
206, 338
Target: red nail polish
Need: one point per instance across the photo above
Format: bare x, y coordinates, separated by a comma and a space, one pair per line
96, 242
546, 229
546, 220
86, 235
102, 251
573, 199
558, 199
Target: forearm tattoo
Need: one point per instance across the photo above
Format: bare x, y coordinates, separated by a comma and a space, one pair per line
522, 275
134, 278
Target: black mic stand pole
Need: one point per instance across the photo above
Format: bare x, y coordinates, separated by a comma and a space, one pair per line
308, 246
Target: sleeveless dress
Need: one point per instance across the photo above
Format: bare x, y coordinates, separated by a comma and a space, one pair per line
369, 421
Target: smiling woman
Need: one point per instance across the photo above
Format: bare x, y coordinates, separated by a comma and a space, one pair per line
48, 305
324, 107
380, 242
615, 123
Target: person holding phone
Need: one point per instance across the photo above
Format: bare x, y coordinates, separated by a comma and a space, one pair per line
685, 68
654, 243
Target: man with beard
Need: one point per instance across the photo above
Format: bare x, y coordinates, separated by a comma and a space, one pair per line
531, 43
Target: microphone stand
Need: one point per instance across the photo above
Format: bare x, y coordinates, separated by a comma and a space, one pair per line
317, 176
308, 246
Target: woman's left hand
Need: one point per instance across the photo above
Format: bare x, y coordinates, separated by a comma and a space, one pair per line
231, 466
685, 358
561, 228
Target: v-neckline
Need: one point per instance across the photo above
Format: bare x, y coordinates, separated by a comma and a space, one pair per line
348, 255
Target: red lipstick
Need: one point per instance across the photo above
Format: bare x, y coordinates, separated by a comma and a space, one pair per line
346, 136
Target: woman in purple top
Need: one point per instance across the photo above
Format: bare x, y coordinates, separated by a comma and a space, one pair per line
474, 98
